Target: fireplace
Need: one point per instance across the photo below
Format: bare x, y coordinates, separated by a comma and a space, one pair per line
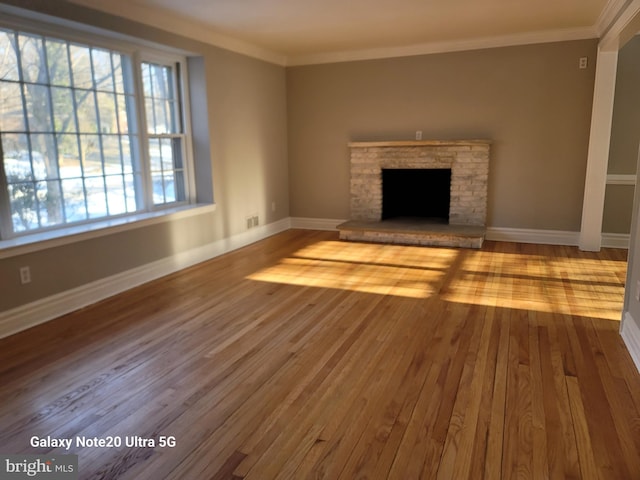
416, 193
466, 162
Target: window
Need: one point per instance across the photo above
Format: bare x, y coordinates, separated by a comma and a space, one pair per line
163, 132
87, 133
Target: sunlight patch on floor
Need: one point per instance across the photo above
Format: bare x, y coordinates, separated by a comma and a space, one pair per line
532, 282
572, 285
412, 272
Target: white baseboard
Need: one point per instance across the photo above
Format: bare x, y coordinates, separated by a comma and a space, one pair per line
315, 223
34, 313
630, 332
616, 240
552, 237
525, 235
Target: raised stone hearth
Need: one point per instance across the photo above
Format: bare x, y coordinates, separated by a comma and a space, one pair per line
469, 164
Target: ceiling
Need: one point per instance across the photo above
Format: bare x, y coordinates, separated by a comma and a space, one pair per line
312, 31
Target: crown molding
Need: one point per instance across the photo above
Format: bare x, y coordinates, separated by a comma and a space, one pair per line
185, 27
445, 47
610, 13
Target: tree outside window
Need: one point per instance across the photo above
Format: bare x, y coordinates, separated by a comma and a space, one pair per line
70, 144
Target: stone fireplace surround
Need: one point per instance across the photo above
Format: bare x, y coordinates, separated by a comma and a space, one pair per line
469, 164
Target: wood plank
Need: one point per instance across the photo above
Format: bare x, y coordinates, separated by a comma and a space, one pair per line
301, 356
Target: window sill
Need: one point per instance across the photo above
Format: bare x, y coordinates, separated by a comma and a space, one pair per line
64, 236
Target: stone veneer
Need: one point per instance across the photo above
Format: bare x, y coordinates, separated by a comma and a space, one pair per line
467, 159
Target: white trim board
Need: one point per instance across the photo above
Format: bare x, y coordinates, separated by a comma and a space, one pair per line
306, 223
621, 179
34, 313
616, 240
525, 235
630, 333
552, 237
526, 38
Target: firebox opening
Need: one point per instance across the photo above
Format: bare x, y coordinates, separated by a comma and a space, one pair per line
423, 193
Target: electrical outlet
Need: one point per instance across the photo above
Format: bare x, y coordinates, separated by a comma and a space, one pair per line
582, 63
418, 134
249, 222
25, 275
256, 221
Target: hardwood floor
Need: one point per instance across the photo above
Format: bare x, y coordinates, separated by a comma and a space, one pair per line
305, 357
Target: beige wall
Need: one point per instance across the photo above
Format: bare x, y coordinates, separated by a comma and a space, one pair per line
244, 141
618, 206
532, 101
625, 137
625, 134
631, 304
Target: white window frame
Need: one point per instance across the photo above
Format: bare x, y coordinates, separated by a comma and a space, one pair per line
139, 51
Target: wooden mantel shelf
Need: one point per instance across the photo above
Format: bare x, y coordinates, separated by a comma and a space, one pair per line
418, 143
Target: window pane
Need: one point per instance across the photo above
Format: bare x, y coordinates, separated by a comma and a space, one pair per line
107, 111
180, 190
158, 188
164, 121
58, 62
123, 119
115, 194
146, 79
22, 197
159, 99
49, 203
63, 111
166, 169
91, 158
13, 144
8, 59
81, 67
151, 115
17, 166
73, 194
111, 152
127, 161
131, 200
166, 152
178, 161
38, 108
155, 155
69, 156
118, 74
34, 69
161, 85
96, 198
102, 70
86, 111
43, 156
11, 110
169, 187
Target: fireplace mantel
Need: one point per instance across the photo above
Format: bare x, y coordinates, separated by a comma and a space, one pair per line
467, 159
420, 143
